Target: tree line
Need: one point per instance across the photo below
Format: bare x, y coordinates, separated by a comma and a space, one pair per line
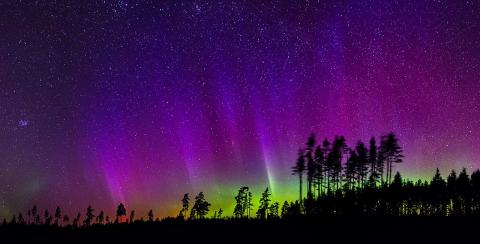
339, 181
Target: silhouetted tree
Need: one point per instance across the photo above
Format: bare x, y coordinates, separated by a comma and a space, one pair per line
273, 210
362, 163
298, 169
58, 215
372, 159
327, 166
242, 203
121, 213
101, 217
311, 167
34, 213
150, 215
20, 219
200, 207
185, 206
334, 160
285, 208
48, 218
475, 182
220, 213
452, 193
351, 170
464, 192
89, 216
392, 152
264, 204
438, 189
76, 220
132, 216
320, 168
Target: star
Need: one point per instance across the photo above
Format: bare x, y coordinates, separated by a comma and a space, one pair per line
23, 123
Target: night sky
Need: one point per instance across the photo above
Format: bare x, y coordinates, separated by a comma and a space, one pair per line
103, 102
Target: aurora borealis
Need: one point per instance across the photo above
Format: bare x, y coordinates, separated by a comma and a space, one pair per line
141, 101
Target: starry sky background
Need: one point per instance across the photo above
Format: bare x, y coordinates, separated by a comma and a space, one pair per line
104, 102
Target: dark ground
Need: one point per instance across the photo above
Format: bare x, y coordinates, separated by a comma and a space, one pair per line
324, 230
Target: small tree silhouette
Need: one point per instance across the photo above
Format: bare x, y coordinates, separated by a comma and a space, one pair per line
220, 214
121, 213
285, 208
185, 206
101, 217
243, 203
76, 220
20, 219
273, 210
150, 215
48, 218
58, 215
89, 216
132, 216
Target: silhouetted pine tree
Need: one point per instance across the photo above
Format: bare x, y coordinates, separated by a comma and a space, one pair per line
362, 163
437, 196
285, 208
335, 160
475, 180
273, 210
326, 149
298, 169
391, 152
452, 193
351, 170
463, 191
311, 167
264, 204
185, 206
320, 168
372, 160
242, 203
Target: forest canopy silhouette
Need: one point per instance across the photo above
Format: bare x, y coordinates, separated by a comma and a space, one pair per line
339, 181
357, 186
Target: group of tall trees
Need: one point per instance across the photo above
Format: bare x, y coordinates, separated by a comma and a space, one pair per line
340, 180
332, 165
